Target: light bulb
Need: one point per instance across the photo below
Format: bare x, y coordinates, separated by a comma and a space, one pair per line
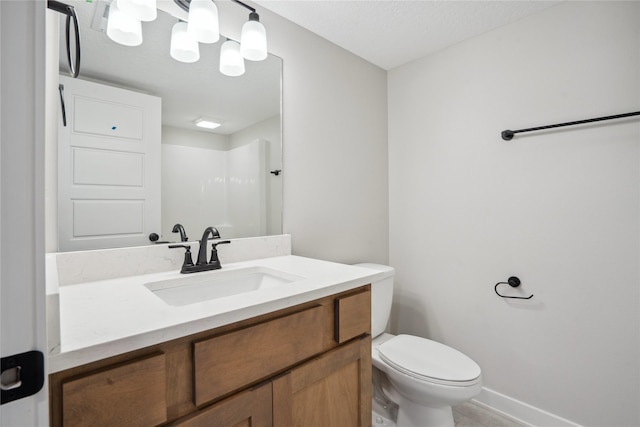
203, 21
142, 10
184, 47
253, 43
231, 61
123, 28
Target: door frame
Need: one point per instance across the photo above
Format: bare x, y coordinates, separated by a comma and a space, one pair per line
22, 251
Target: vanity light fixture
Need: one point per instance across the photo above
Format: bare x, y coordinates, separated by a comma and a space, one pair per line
198, 24
206, 123
184, 46
123, 28
253, 43
142, 10
231, 60
203, 21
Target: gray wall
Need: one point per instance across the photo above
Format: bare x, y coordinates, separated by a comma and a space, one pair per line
558, 209
335, 144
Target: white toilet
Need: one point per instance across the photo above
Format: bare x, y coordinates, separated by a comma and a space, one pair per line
422, 377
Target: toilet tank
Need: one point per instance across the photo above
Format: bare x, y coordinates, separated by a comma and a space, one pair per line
381, 297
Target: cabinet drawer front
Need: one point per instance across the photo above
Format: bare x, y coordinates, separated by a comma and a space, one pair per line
133, 394
228, 362
352, 316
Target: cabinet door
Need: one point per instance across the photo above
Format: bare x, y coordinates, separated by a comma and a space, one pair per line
131, 394
250, 408
352, 316
331, 390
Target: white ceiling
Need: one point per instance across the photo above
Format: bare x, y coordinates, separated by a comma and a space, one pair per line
390, 33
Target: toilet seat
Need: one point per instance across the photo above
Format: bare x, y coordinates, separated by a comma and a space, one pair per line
429, 361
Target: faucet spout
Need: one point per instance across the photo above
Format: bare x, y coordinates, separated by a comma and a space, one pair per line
178, 228
202, 252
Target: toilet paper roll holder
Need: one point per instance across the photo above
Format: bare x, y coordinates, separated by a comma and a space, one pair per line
514, 282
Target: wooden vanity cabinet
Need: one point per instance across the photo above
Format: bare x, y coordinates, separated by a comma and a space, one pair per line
108, 395
249, 408
332, 390
302, 366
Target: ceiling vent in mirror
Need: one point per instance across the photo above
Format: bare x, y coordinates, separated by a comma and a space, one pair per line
206, 123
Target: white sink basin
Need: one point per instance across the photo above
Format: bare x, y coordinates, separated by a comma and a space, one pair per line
205, 286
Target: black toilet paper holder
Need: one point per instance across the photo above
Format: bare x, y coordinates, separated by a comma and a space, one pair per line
514, 282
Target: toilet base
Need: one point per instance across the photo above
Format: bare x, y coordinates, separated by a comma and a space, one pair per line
392, 408
411, 414
379, 420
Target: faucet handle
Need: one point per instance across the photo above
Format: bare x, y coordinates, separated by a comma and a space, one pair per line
214, 244
188, 261
214, 251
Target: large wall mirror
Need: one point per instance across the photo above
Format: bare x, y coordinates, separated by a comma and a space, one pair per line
228, 177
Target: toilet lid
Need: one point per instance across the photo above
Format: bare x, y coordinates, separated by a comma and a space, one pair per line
428, 360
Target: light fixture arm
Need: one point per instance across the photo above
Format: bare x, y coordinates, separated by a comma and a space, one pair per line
244, 5
184, 4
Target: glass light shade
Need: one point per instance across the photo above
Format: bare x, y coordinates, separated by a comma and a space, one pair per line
123, 28
184, 47
253, 42
203, 21
142, 10
231, 61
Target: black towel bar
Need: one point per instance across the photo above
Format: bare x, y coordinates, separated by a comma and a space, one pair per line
507, 135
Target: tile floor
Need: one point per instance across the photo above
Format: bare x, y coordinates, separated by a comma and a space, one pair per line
471, 415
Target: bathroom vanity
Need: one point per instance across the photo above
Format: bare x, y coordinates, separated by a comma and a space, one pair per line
297, 353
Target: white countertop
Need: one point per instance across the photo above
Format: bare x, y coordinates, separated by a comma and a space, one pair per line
104, 318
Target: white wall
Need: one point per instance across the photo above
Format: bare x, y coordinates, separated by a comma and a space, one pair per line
51, 120
206, 182
559, 209
271, 131
334, 142
194, 190
247, 188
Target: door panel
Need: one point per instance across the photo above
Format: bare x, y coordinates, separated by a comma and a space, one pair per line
332, 390
251, 408
104, 167
107, 118
108, 167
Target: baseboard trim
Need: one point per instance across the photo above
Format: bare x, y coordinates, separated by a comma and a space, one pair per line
519, 411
